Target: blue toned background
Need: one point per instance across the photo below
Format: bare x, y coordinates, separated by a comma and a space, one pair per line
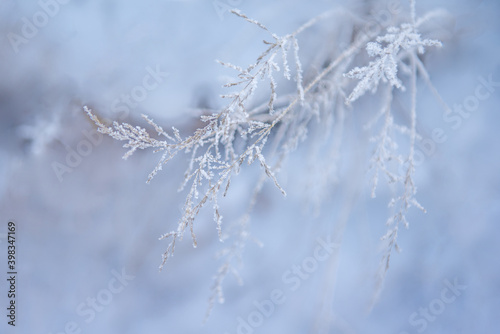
88, 224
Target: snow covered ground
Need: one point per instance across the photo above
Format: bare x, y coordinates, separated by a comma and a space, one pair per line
87, 224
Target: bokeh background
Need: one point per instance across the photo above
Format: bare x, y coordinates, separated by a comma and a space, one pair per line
77, 230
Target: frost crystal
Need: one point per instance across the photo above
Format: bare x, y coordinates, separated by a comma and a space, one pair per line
385, 66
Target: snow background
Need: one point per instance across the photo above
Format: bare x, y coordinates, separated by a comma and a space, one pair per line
103, 216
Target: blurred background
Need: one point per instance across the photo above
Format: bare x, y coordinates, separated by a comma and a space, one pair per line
88, 224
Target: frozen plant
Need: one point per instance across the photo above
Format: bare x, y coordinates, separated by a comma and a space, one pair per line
266, 132
398, 49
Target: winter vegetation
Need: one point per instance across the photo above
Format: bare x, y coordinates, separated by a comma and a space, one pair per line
303, 167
